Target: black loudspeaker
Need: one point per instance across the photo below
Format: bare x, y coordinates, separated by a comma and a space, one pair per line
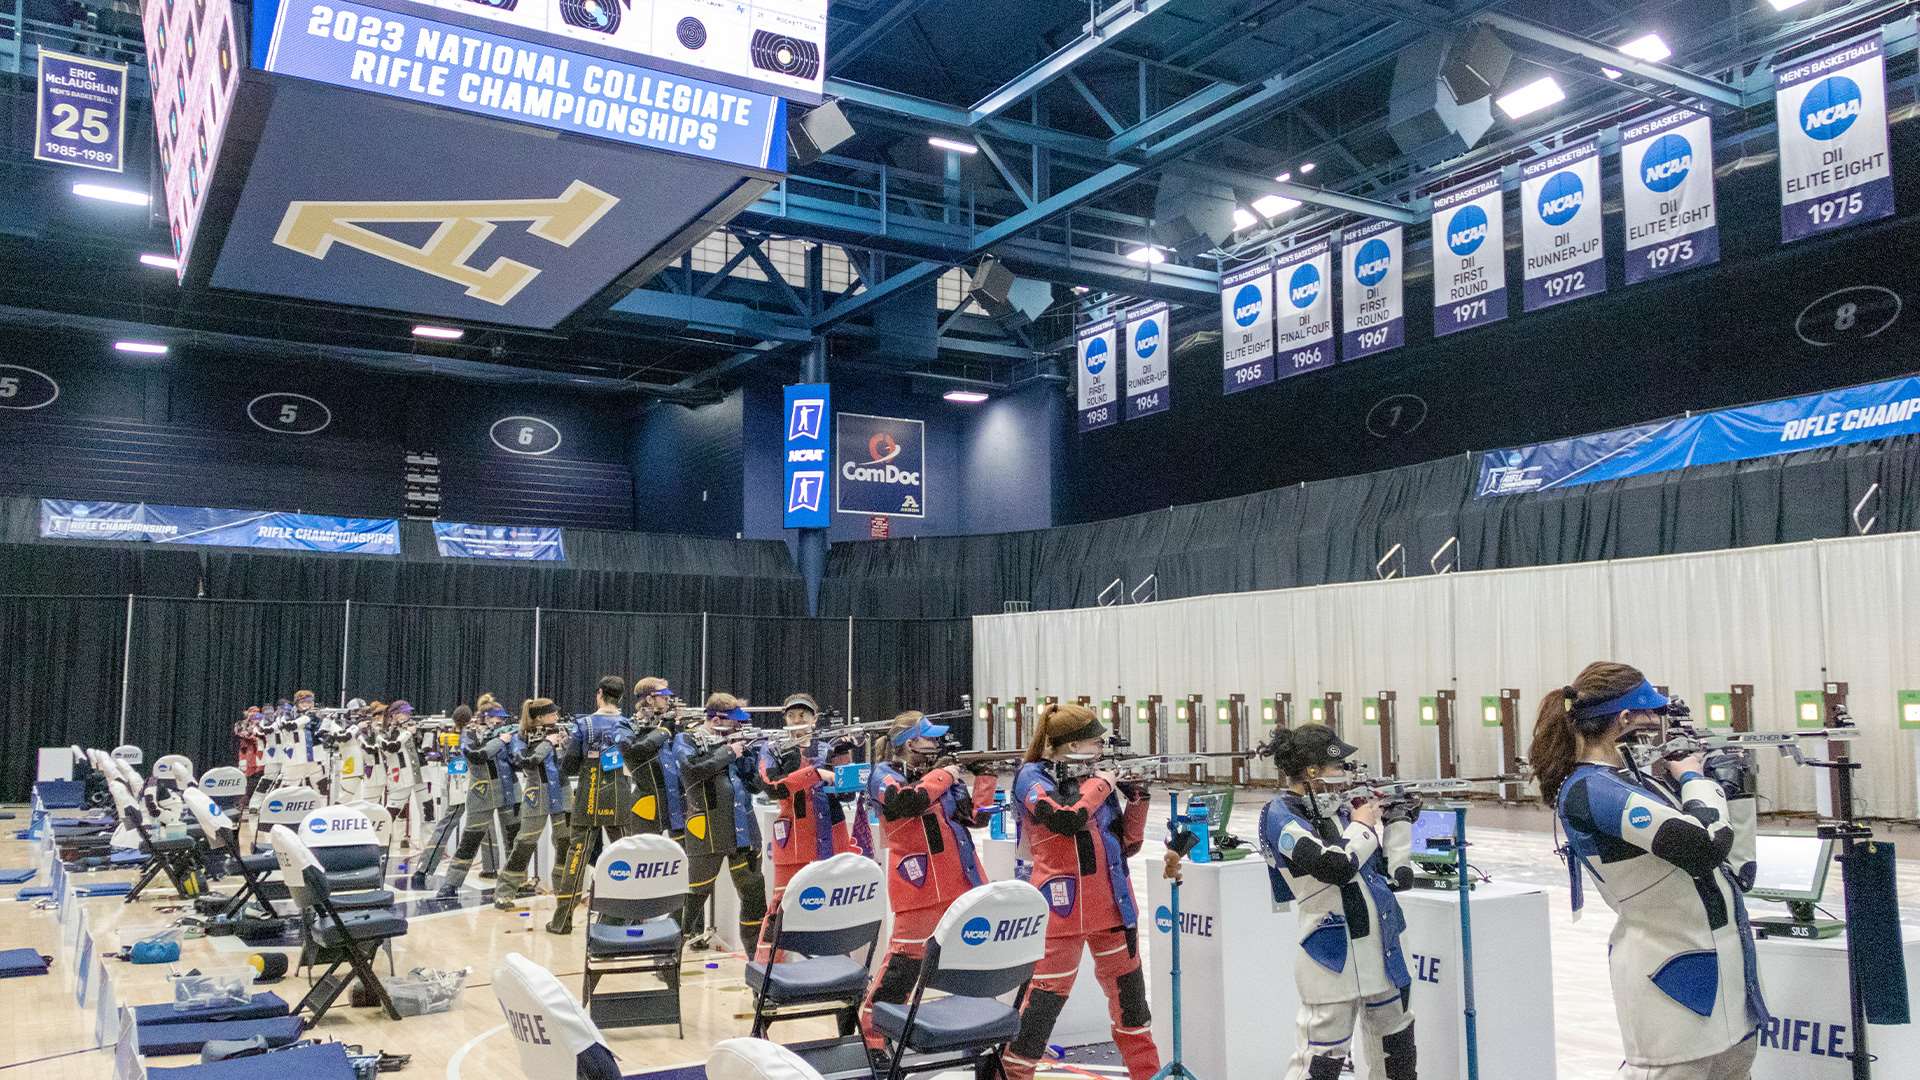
817, 133
1427, 123
1476, 65
991, 286
1192, 214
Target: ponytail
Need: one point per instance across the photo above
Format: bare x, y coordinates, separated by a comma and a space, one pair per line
1558, 737
531, 710
1060, 723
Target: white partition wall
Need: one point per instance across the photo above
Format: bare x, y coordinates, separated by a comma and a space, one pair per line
1784, 618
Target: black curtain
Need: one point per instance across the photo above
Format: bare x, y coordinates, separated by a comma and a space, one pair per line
60, 667
436, 658
764, 660
197, 665
578, 647
902, 664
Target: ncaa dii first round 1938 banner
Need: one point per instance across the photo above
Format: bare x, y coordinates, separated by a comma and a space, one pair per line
1560, 227
1099, 361
1831, 110
1469, 256
1666, 178
1246, 327
1303, 309
1372, 297
1149, 361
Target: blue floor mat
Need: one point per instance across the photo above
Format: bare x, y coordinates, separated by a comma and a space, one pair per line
326, 1061
17, 877
260, 1007
161, 1040
21, 962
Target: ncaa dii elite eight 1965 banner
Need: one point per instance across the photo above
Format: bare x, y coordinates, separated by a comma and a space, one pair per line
1666, 176
1831, 110
1469, 256
1303, 309
1149, 361
1560, 233
1372, 300
1099, 367
1246, 327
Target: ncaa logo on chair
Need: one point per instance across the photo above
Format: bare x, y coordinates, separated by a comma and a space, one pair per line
317, 826
813, 899
274, 806
1639, 817
1830, 108
620, 870
977, 931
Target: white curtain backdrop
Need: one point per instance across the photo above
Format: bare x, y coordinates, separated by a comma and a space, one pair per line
1784, 618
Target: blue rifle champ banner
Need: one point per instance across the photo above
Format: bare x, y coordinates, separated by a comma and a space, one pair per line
1149, 361
82, 114
1469, 256
1666, 180
65, 519
1096, 346
1831, 111
1246, 327
1372, 296
523, 543
882, 463
1850, 415
1303, 305
805, 452
1560, 227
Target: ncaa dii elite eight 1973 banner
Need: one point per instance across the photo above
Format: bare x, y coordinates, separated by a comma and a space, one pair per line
1372, 300
1666, 176
1831, 110
1469, 256
1303, 309
1560, 228
1099, 367
1246, 327
1149, 361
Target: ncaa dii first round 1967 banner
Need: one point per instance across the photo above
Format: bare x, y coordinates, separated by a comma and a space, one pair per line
1469, 256
1831, 111
1372, 297
1246, 327
1666, 179
1149, 361
1560, 227
1099, 375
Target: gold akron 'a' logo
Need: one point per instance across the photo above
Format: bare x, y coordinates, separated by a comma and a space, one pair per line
312, 228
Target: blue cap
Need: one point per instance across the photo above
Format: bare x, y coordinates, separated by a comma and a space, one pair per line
1642, 698
921, 729
665, 691
737, 715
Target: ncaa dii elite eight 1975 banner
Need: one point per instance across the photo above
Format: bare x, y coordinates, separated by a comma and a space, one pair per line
1560, 233
1099, 367
1303, 309
1149, 361
1469, 256
1246, 327
1831, 110
1372, 300
1666, 177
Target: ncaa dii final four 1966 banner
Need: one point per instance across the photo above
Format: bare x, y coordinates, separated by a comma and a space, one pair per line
1831, 112
1099, 375
1303, 309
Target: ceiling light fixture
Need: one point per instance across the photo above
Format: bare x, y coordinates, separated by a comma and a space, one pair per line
952, 144
159, 262
143, 348
441, 333
965, 397
1147, 254
1307, 167
1649, 47
1243, 219
1782, 5
1272, 206
1284, 177
1531, 98
107, 193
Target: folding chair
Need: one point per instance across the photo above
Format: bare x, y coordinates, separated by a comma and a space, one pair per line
757, 1059
985, 946
337, 937
640, 881
554, 1035
172, 855
829, 910
382, 819
286, 806
216, 835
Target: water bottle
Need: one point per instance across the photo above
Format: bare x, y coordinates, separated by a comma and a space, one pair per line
997, 828
1197, 824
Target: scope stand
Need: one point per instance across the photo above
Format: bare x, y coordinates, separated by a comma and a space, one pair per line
1465, 884
1176, 1067
1850, 833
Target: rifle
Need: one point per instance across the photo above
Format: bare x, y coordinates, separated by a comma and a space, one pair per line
1680, 738
1389, 790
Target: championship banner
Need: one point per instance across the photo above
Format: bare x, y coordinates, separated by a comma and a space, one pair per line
82, 114
1560, 227
1099, 365
518, 542
1831, 110
1469, 256
1850, 415
1666, 177
882, 465
64, 519
1149, 361
1246, 327
804, 450
1303, 306
1372, 299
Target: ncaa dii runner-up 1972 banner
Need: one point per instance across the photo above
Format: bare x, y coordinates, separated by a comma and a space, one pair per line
1246, 327
1372, 301
1149, 361
1469, 256
1560, 227
1831, 111
1666, 175
1099, 375
1303, 309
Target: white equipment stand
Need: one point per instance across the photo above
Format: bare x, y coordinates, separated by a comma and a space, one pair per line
1084, 1020
1805, 984
1512, 980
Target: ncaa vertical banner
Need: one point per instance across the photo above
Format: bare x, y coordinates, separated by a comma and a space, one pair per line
1303, 309
1666, 178
1149, 361
1099, 375
1246, 327
1832, 113
808, 406
1372, 299
1469, 256
1560, 231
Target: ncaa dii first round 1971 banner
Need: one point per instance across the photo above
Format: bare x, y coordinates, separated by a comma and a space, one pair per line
1560, 227
1666, 180
1099, 375
1469, 256
1246, 327
1149, 361
1831, 110
1372, 297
